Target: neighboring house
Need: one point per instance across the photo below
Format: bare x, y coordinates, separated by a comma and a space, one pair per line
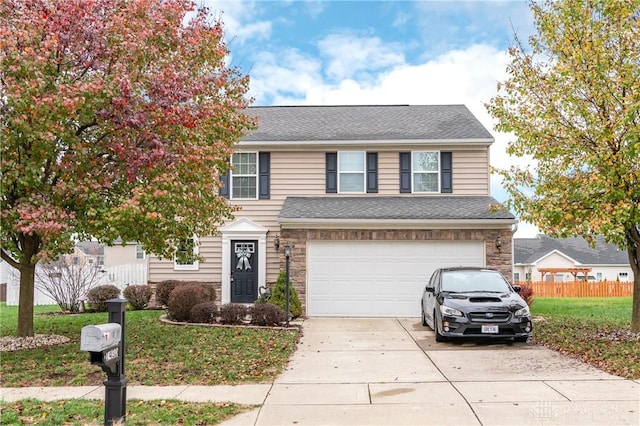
370, 199
87, 252
127, 254
568, 259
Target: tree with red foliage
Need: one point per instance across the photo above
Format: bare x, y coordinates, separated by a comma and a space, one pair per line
115, 119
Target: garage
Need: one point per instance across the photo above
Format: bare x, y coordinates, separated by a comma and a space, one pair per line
378, 278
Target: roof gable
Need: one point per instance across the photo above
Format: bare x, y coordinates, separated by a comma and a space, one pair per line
367, 122
559, 253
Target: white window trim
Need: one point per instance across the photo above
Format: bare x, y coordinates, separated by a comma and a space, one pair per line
437, 172
256, 176
195, 266
364, 172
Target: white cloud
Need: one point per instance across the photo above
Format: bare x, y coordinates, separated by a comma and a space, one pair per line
526, 230
240, 19
288, 75
348, 55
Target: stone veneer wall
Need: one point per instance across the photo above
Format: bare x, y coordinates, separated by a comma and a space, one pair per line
297, 239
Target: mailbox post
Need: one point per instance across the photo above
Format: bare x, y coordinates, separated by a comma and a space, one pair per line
106, 346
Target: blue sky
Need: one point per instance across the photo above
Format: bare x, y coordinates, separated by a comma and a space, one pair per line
377, 52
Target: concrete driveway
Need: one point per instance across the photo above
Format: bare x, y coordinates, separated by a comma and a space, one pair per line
392, 372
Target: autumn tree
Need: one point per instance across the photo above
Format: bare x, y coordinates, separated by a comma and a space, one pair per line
572, 102
115, 118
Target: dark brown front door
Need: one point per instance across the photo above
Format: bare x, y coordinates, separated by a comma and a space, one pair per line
244, 271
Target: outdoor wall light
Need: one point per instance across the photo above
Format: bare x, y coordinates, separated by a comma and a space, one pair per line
499, 243
276, 242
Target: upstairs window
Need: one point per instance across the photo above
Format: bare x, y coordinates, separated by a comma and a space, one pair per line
354, 172
244, 176
425, 171
351, 172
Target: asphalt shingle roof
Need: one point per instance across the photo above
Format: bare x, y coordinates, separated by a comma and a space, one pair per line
529, 250
381, 207
366, 122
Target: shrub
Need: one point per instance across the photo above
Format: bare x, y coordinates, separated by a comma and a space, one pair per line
138, 296
163, 291
526, 292
278, 296
98, 296
183, 298
233, 313
266, 314
204, 312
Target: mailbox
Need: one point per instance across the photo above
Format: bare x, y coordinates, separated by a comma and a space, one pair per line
97, 338
103, 344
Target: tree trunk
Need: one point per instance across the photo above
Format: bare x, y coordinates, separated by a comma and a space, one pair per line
633, 247
25, 304
29, 247
635, 314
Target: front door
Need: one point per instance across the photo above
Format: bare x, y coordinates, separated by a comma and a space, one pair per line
244, 271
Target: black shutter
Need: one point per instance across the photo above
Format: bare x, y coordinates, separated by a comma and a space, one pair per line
405, 172
264, 175
224, 189
372, 172
332, 172
446, 175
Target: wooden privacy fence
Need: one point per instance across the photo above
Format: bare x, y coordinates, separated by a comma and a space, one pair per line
580, 288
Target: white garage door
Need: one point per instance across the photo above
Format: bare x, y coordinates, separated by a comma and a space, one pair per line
378, 278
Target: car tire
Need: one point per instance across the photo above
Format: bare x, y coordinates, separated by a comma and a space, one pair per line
521, 339
439, 337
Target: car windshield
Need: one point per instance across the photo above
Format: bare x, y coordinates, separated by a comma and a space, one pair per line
465, 281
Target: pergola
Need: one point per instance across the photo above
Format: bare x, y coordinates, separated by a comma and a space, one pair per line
572, 271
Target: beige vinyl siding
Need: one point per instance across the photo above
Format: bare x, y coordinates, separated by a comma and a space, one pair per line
121, 255
209, 270
302, 174
471, 172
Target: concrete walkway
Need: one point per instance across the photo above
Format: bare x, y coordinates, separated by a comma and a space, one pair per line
392, 372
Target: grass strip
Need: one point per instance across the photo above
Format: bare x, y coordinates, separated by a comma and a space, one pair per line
91, 412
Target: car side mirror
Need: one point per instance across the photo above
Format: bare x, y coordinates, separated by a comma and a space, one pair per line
517, 288
429, 289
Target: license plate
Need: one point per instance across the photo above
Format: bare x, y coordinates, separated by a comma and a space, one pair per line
492, 329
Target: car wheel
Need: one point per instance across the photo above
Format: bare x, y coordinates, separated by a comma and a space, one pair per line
439, 337
424, 318
521, 339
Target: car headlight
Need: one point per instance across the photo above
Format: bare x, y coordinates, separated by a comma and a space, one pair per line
445, 310
523, 312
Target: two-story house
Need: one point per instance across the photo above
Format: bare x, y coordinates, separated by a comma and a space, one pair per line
370, 200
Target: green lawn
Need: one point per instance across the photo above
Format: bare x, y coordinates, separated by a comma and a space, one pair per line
84, 412
594, 330
156, 353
